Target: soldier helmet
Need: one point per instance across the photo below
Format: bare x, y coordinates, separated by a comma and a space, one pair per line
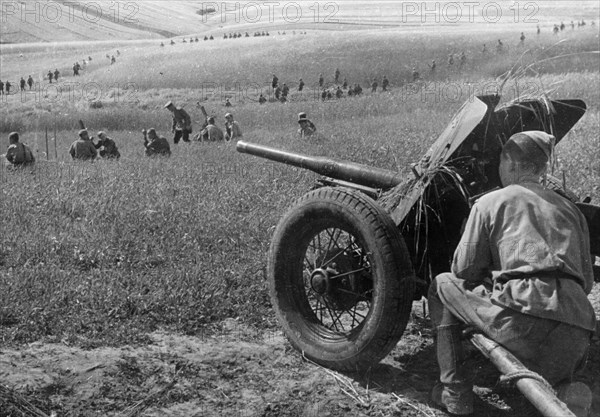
302, 117
169, 104
211, 120
228, 115
13, 137
82, 132
151, 132
101, 134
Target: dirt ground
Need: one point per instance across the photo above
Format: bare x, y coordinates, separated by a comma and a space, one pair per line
240, 372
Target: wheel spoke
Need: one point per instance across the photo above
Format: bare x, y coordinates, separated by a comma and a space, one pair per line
337, 254
348, 273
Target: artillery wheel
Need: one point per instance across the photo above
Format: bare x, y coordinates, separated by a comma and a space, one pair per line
341, 280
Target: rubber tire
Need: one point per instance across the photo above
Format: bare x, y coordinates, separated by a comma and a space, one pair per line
392, 274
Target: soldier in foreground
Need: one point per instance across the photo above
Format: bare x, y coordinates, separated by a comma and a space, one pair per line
182, 123
107, 146
83, 149
155, 145
307, 128
211, 132
232, 128
18, 154
521, 274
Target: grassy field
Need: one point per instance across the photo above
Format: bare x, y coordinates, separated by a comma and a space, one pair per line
105, 252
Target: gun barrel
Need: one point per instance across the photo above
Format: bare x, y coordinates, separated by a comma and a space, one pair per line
341, 170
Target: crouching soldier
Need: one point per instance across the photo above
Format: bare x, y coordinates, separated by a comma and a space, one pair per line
232, 127
155, 145
18, 154
212, 132
107, 146
83, 148
307, 128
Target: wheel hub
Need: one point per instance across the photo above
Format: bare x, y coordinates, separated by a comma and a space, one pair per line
319, 281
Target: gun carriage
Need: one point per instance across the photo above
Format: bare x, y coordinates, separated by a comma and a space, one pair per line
348, 258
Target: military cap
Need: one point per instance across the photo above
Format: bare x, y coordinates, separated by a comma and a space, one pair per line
169, 103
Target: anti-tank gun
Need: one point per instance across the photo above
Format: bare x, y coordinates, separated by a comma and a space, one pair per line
348, 259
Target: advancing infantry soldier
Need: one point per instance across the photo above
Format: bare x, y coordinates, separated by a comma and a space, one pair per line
155, 145
232, 128
339, 93
7, 86
227, 103
76, 69
500, 47
522, 39
275, 81
357, 89
533, 302
50, 76
22, 83
463, 60
300, 85
113, 59
374, 86
18, 154
182, 123
450, 60
538, 29
432, 66
1, 88
277, 92
484, 49
337, 75
212, 132
285, 90
83, 148
345, 84
56, 74
321, 80
384, 83
30, 82
261, 99
415, 74
107, 146
307, 128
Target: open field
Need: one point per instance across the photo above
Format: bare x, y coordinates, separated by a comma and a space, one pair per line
138, 285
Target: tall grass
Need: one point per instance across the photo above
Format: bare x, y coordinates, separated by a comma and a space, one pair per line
100, 253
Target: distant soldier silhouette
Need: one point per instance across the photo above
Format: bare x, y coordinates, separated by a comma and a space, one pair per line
300, 85
538, 29
415, 75
484, 49
522, 39
112, 60
324, 95
196, 39
50, 76
374, 86
572, 25
118, 53
463, 60
357, 90
562, 26
56, 74
76, 69
7, 87
227, 103
211, 38
89, 58
500, 47
1, 88
172, 42
450, 60
22, 84
30, 82
384, 83
285, 90
262, 99
205, 38
162, 44
432, 66
339, 93
345, 84
321, 80
277, 92
337, 75
555, 29
275, 81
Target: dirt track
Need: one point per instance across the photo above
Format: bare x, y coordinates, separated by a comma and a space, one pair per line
239, 372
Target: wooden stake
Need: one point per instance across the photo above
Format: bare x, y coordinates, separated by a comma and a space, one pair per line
47, 150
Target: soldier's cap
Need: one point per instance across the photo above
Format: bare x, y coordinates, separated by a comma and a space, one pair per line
151, 131
228, 115
13, 137
541, 139
169, 104
101, 134
82, 132
302, 117
211, 120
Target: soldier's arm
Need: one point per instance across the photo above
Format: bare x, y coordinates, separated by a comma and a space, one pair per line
473, 258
